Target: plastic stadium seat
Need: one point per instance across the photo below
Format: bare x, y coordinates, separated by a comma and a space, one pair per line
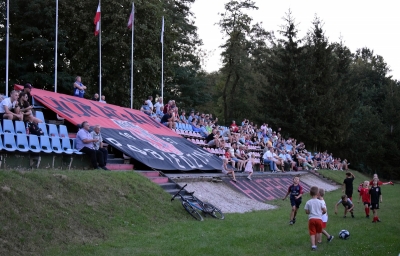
1, 129
53, 131
56, 145
45, 144
63, 131
20, 127
39, 114
44, 128
8, 126
9, 142
74, 148
1, 143
22, 143
34, 144
66, 145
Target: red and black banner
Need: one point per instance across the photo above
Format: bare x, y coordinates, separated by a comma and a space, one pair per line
132, 132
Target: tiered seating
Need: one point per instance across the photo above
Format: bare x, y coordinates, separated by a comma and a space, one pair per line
54, 139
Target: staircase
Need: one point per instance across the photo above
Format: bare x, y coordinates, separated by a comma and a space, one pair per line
118, 164
157, 177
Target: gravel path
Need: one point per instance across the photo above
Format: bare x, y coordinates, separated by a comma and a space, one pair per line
231, 201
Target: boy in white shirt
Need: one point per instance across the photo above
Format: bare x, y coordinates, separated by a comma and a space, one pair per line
314, 208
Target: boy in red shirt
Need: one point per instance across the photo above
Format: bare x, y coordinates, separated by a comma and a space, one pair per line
366, 199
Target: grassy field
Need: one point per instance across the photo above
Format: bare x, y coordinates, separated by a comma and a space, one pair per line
101, 213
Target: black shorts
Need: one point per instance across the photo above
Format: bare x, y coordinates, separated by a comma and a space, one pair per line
1, 115
295, 202
374, 206
349, 194
366, 203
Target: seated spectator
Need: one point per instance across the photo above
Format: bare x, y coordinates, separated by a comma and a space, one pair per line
227, 136
203, 131
241, 155
195, 127
103, 99
7, 108
182, 117
213, 139
96, 97
191, 117
2, 97
169, 119
26, 109
27, 89
98, 145
85, 144
146, 109
234, 126
150, 103
268, 159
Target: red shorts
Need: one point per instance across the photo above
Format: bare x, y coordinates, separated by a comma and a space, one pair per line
323, 225
314, 226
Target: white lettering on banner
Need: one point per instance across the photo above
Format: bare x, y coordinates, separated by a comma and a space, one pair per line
113, 141
194, 159
133, 148
169, 140
201, 157
154, 153
127, 135
191, 165
178, 162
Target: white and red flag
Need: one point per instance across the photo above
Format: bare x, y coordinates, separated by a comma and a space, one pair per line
97, 21
131, 20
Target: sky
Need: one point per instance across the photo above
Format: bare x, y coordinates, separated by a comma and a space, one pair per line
371, 24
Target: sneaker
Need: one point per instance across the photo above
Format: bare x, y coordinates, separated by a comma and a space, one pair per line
314, 248
378, 220
367, 216
391, 183
352, 215
104, 168
294, 220
330, 239
248, 178
234, 180
291, 222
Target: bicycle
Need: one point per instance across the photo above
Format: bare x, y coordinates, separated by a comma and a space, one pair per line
193, 205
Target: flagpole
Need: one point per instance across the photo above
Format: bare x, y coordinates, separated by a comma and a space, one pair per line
100, 52
7, 43
162, 59
56, 50
132, 65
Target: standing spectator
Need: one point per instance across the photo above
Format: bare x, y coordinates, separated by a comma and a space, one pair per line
84, 143
249, 166
150, 103
348, 185
103, 99
376, 196
234, 126
96, 97
167, 107
7, 107
159, 107
79, 88
98, 145
314, 208
295, 191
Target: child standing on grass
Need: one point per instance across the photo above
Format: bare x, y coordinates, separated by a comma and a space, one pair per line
348, 185
314, 208
296, 191
227, 171
376, 196
366, 198
249, 166
321, 193
347, 204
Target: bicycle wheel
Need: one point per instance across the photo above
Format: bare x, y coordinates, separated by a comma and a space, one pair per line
192, 211
215, 212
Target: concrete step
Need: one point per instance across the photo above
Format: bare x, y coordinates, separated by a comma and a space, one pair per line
168, 185
111, 156
120, 167
159, 180
115, 160
172, 191
149, 173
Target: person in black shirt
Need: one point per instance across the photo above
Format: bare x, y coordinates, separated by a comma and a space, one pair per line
376, 196
348, 185
213, 138
169, 119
